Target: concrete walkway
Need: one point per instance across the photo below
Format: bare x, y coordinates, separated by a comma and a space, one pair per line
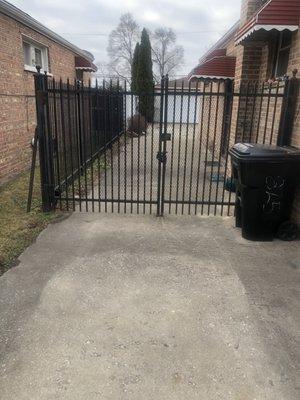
137, 308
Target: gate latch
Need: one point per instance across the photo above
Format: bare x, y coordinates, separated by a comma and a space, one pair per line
165, 137
162, 156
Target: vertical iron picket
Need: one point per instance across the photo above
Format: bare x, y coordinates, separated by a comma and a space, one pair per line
64, 145
186, 147
45, 143
230, 99
152, 155
288, 111
200, 147
179, 149
97, 131
57, 145
133, 98
125, 144
267, 112
159, 154
206, 147
70, 133
86, 156
118, 143
164, 145
172, 144
193, 149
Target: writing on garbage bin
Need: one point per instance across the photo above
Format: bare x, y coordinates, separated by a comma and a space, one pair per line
273, 194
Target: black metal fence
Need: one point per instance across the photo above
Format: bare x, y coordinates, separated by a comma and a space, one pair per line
76, 124
98, 153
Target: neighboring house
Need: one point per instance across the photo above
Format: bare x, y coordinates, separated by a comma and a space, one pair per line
181, 108
264, 46
220, 60
24, 44
215, 73
181, 83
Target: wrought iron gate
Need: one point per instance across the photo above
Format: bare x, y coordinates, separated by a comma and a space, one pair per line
98, 153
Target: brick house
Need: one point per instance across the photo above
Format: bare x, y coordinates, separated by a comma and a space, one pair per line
25, 43
261, 48
215, 73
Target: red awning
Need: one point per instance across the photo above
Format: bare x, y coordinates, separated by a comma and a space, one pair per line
221, 67
216, 53
85, 65
275, 14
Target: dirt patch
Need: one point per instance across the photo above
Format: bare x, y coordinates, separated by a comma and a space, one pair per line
19, 228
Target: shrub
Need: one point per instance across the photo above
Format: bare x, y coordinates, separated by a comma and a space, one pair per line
137, 124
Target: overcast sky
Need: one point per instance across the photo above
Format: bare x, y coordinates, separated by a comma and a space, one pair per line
197, 23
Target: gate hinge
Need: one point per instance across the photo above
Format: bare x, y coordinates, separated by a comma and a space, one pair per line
162, 156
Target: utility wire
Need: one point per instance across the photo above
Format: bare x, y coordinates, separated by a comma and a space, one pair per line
107, 34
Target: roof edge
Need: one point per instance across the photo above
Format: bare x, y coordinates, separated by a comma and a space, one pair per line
230, 33
216, 57
211, 77
195, 74
267, 28
14, 12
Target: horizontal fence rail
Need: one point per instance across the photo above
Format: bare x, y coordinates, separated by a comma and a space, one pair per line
105, 147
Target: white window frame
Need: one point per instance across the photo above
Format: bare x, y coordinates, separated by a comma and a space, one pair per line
44, 53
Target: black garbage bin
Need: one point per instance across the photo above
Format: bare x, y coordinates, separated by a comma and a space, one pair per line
265, 178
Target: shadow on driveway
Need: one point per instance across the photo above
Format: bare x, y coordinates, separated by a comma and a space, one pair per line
133, 307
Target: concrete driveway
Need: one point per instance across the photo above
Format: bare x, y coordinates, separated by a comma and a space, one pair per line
135, 308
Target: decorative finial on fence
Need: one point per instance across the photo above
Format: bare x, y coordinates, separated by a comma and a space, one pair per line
295, 72
38, 68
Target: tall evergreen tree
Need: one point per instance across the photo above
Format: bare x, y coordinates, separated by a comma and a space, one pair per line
134, 68
144, 78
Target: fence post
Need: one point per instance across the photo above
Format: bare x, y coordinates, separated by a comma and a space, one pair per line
228, 99
287, 117
164, 145
160, 155
78, 91
45, 153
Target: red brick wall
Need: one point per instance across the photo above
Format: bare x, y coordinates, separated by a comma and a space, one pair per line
295, 63
211, 112
17, 102
253, 64
249, 7
247, 69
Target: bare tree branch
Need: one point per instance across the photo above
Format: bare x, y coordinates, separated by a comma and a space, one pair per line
121, 43
167, 56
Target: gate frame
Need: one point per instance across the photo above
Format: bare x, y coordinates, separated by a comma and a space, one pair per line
162, 152
46, 142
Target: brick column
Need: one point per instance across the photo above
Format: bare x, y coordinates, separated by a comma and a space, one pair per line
249, 7
248, 68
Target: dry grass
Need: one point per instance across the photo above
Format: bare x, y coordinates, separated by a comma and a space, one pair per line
18, 229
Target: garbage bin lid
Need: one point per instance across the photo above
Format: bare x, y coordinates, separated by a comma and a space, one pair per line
251, 151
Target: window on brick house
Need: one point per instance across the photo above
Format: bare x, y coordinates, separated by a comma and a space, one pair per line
35, 54
280, 67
